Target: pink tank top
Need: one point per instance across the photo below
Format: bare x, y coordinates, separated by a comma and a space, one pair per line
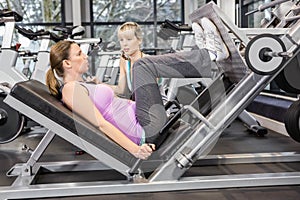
119, 112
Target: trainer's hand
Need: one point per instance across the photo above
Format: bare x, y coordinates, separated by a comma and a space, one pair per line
144, 151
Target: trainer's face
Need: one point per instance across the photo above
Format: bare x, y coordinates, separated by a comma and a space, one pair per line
129, 43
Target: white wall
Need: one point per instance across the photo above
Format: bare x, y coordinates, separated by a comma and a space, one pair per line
228, 6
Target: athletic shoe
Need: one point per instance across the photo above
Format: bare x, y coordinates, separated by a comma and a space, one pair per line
214, 42
199, 35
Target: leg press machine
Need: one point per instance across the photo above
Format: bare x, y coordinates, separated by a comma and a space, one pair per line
186, 144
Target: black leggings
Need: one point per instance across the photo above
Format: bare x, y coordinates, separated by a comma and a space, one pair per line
150, 111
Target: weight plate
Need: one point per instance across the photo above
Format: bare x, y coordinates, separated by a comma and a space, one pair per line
255, 58
288, 78
292, 121
12, 126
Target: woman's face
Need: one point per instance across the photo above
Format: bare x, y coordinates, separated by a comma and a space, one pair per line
78, 59
129, 43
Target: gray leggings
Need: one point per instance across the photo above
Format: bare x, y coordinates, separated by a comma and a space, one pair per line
150, 111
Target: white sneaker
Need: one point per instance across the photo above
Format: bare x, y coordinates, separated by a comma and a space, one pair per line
214, 42
199, 35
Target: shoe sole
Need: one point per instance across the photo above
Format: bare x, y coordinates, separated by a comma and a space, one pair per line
197, 28
209, 27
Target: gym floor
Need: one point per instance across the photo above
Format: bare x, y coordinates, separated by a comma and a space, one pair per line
235, 139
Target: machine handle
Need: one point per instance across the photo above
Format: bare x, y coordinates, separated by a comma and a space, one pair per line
266, 6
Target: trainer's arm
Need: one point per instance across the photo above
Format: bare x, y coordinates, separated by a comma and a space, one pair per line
119, 89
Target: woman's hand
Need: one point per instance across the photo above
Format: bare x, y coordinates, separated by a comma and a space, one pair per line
144, 151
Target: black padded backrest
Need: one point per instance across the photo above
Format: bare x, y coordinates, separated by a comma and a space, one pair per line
36, 95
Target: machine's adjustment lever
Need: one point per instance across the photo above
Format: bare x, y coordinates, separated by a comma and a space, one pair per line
199, 115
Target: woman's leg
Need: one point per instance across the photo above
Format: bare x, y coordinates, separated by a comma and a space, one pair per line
150, 111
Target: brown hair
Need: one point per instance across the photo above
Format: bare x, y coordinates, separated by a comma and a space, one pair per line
132, 26
58, 53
